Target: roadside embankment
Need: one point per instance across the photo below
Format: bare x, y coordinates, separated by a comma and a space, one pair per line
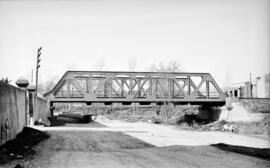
21, 146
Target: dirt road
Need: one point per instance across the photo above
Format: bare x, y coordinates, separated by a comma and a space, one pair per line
110, 143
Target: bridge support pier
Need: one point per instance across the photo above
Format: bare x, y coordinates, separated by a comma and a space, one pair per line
209, 113
157, 108
133, 106
110, 109
51, 109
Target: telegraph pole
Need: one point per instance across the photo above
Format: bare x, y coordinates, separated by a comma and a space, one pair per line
38, 66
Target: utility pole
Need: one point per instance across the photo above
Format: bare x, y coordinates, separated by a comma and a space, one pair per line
38, 66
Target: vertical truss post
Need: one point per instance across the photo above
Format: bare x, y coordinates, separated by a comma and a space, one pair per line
150, 86
140, 91
156, 87
170, 88
110, 83
106, 88
130, 84
69, 94
122, 85
207, 89
87, 85
90, 85
188, 85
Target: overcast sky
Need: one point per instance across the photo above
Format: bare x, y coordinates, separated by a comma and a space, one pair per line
223, 37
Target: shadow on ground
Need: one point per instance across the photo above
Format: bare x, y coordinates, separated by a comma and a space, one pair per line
91, 141
73, 120
263, 153
76, 148
92, 124
21, 146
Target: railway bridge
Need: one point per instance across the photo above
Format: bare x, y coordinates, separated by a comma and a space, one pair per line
137, 87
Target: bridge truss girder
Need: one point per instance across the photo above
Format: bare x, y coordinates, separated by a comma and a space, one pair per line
141, 87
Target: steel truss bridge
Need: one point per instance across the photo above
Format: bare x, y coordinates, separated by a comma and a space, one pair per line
137, 87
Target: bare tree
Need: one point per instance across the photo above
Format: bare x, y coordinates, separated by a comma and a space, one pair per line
6, 80
172, 66
228, 79
157, 68
100, 64
47, 86
132, 62
71, 66
131, 66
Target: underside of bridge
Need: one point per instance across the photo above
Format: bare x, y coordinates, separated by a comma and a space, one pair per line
137, 87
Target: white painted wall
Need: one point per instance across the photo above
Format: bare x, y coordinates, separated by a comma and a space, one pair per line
240, 114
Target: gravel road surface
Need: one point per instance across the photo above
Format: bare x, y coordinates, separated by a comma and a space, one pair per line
111, 143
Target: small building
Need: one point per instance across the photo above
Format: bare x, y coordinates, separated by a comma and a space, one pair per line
263, 86
259, 88
236, 91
